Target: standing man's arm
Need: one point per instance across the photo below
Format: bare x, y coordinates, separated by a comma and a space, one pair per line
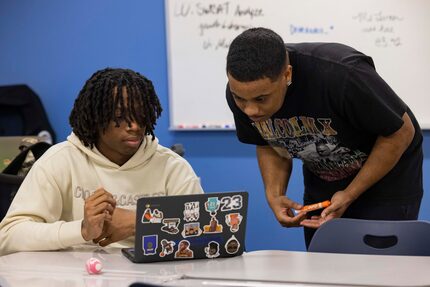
275, 171
384, 156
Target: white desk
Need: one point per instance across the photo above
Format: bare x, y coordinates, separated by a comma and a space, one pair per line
320, 268
259, 268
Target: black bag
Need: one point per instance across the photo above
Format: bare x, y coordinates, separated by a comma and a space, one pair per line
22, 113
22, 163
13, 175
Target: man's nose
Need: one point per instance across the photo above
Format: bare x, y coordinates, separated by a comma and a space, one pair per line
251, 110
133, 126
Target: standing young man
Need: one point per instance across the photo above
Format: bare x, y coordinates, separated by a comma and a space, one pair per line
325, 104
86, 188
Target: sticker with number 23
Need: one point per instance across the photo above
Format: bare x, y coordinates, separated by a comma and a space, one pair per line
231, 202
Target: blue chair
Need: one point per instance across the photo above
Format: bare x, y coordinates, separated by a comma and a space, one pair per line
358, 236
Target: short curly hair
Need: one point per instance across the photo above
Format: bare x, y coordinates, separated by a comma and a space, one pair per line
95, 106
255, 54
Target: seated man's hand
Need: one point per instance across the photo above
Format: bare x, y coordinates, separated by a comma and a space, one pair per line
98, 210
121, 226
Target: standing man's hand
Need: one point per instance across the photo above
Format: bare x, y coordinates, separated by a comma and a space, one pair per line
282, 208
275, 167
339, 203
98, 209
122, 226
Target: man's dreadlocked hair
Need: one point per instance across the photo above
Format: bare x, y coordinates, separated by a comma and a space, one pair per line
102, 95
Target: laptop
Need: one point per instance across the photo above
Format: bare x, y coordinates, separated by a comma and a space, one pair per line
11, 146
184, 227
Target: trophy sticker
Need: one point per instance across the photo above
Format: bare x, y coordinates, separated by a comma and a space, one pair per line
213, 227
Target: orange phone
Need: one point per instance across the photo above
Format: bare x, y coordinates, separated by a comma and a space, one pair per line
315, 206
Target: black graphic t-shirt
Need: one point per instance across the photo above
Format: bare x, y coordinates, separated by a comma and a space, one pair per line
335, 108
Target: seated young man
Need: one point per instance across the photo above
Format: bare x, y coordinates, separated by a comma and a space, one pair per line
84, 190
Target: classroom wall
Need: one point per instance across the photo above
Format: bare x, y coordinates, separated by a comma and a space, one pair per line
54, 46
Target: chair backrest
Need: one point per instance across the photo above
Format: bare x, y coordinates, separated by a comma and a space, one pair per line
358, 236
9, 185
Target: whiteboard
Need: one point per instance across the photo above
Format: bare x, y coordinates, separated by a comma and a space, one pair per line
395, 33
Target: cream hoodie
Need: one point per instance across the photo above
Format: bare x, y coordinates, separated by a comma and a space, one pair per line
47, 211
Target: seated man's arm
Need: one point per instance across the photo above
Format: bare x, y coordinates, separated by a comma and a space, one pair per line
33, 220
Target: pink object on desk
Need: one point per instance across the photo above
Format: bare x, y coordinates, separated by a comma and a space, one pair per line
94, 266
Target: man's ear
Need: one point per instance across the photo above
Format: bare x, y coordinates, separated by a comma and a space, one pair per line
289, 74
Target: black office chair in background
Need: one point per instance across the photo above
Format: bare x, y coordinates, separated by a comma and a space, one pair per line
178, 148
358, 236
22, 113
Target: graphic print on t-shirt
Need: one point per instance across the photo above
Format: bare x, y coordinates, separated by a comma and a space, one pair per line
315, 143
